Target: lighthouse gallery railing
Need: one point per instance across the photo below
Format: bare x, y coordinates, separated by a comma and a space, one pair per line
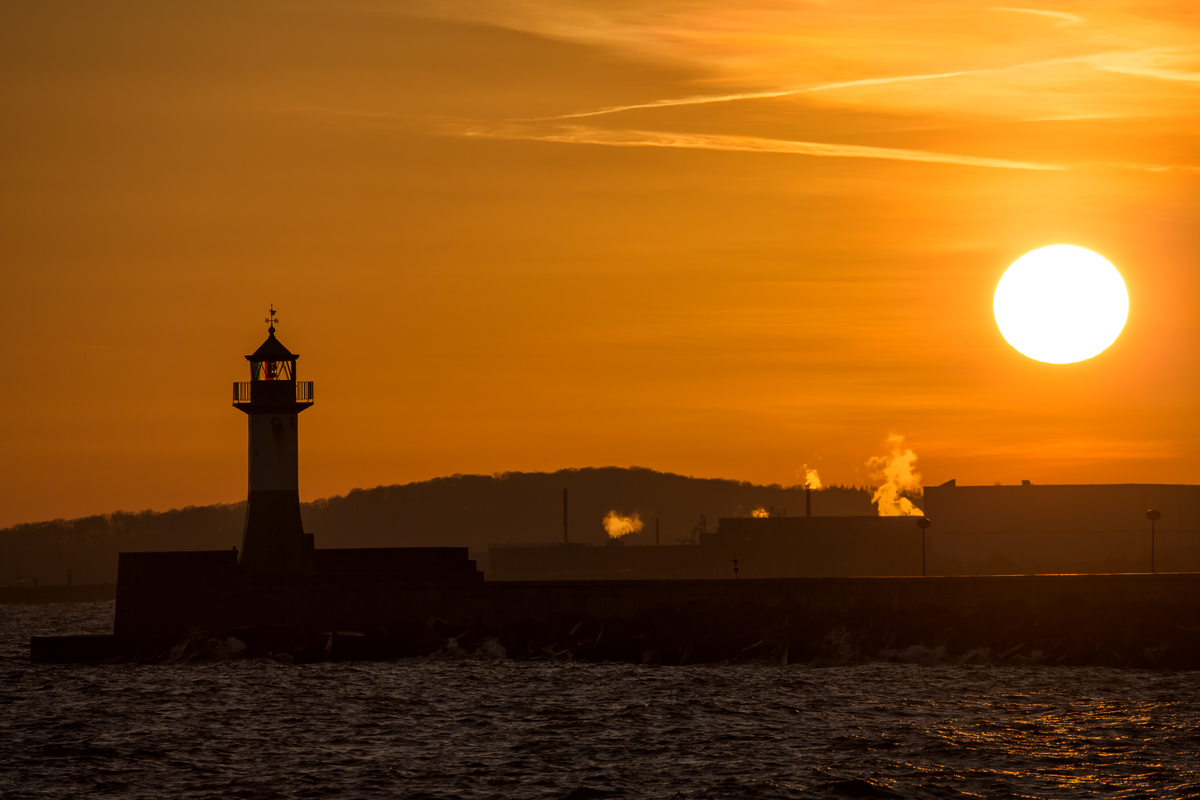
241, 391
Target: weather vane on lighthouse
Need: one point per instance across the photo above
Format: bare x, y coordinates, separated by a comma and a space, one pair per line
271, 319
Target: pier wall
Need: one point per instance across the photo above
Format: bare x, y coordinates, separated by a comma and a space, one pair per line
1148, 620
168, 594
1032, 594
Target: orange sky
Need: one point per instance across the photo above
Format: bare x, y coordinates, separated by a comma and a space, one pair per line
721, 239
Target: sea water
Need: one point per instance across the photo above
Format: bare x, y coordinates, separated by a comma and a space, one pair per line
486, 726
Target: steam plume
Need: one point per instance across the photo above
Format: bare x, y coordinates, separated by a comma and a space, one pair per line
897, 473
811, 479
618, 525
760, 513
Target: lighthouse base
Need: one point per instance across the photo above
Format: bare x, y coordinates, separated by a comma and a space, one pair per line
273, 541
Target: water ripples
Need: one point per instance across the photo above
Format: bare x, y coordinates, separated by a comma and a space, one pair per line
504, 729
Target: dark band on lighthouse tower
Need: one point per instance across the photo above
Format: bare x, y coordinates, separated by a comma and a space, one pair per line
273, 541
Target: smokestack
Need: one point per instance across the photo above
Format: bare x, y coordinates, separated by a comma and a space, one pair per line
564, 516
656, 531
807, 500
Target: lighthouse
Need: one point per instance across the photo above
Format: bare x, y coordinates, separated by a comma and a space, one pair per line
273, 541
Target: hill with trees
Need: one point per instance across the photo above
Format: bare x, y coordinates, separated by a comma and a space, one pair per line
470, 511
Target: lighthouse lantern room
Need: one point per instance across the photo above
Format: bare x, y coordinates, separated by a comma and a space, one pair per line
273, 540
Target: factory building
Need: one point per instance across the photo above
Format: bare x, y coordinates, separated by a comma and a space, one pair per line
1063, 528
769, 547
1023, 529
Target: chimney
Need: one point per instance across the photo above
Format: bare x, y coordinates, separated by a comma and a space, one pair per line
807, 501
564, 516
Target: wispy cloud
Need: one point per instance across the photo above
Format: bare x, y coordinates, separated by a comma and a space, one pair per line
678, 101
745, 144
825, 87
1156, 63
763, 50
1155, 167
1062, 16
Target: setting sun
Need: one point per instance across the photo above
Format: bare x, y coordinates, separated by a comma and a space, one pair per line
1061, 304
720, 239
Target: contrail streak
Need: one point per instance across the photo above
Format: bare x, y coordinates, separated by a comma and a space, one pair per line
727, 98
747, 144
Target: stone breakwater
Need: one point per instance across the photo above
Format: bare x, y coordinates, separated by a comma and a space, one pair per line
1150, 621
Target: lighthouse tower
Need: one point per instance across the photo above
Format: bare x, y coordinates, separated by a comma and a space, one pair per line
274, 542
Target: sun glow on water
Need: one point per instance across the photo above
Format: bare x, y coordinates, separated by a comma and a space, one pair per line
1061, 304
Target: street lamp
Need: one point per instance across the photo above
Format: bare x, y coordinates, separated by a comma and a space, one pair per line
924, 523
1154, 517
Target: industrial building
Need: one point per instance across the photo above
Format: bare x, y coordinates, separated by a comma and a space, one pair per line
1023, 529
1029, 528
767, 547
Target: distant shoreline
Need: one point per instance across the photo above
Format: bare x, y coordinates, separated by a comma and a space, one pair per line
42, 595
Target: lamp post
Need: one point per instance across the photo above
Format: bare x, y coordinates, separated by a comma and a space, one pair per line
1154, 517
923, 523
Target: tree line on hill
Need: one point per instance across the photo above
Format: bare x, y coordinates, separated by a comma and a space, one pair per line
470, 511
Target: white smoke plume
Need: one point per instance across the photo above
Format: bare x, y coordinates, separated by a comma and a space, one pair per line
618, 525
811, 479
898, 476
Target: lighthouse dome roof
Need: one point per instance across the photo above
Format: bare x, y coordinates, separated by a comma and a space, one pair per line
272, 350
